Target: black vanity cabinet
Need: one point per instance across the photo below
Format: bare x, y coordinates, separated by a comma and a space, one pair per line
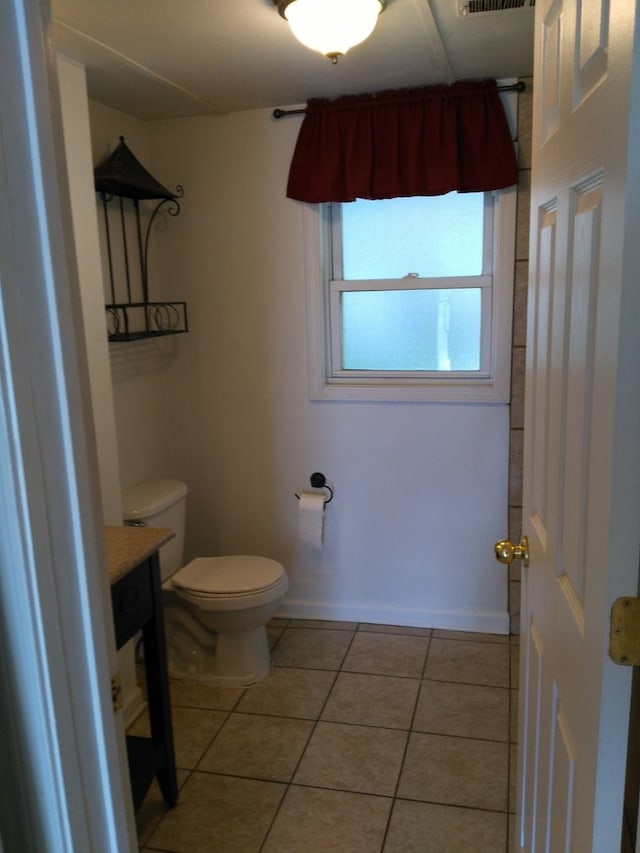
136, 598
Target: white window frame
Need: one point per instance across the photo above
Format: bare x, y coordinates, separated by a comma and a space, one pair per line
491, 383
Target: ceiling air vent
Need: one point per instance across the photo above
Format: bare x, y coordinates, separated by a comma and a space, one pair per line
476, 7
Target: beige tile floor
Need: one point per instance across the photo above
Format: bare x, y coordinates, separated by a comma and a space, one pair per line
362, 739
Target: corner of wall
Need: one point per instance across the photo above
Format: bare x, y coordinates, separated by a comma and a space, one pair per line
518, 350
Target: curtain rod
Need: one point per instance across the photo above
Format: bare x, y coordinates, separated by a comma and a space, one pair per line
520, 86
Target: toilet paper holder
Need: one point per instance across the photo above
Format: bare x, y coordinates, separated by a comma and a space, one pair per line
319, 481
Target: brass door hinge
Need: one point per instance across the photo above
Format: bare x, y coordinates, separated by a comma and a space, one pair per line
624, 631
116, 692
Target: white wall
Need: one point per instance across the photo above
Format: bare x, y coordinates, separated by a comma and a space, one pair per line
139, 370
420, 490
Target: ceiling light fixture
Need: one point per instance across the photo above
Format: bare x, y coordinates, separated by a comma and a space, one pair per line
331, 26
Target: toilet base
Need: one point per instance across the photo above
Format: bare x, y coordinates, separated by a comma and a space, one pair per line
240, 659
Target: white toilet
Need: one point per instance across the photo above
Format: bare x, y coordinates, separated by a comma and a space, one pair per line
215, 608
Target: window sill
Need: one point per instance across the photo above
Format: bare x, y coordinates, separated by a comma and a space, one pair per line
479, 391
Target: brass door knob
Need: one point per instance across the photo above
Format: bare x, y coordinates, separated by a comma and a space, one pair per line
507, 552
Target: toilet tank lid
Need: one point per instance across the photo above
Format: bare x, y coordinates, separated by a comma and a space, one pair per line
150, 497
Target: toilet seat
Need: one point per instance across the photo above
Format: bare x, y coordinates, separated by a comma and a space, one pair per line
228, 577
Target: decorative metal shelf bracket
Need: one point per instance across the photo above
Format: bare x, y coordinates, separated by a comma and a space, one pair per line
131, 314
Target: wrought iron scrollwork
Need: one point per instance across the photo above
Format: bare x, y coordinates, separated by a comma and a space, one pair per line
119, 178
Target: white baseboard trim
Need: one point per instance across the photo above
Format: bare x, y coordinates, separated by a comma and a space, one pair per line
489, 622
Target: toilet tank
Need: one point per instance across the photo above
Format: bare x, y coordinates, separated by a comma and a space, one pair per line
159, 503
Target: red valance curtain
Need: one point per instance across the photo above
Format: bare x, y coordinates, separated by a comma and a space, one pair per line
426, 141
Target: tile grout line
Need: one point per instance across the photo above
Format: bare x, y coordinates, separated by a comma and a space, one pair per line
406, 745
513, 649
192, 770
290, 783
422, 681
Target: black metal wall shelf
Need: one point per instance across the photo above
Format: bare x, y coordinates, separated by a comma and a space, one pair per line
134, 321
122, 182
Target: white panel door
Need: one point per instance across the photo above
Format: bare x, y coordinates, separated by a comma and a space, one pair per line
582, 430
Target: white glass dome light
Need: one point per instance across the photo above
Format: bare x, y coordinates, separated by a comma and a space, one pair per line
331, 26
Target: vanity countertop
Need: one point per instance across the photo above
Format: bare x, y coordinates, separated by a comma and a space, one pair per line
127, 547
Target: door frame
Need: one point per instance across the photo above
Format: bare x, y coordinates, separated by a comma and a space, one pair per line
65, 750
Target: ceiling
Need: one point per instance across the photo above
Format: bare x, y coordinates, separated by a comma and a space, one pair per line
158, 59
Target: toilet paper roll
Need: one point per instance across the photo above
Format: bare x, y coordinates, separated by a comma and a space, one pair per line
311, 518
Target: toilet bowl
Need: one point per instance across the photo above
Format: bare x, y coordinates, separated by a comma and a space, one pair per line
234, 596
215, 608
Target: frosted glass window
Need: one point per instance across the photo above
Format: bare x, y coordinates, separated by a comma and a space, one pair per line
435, 236
416, 298
411, 330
